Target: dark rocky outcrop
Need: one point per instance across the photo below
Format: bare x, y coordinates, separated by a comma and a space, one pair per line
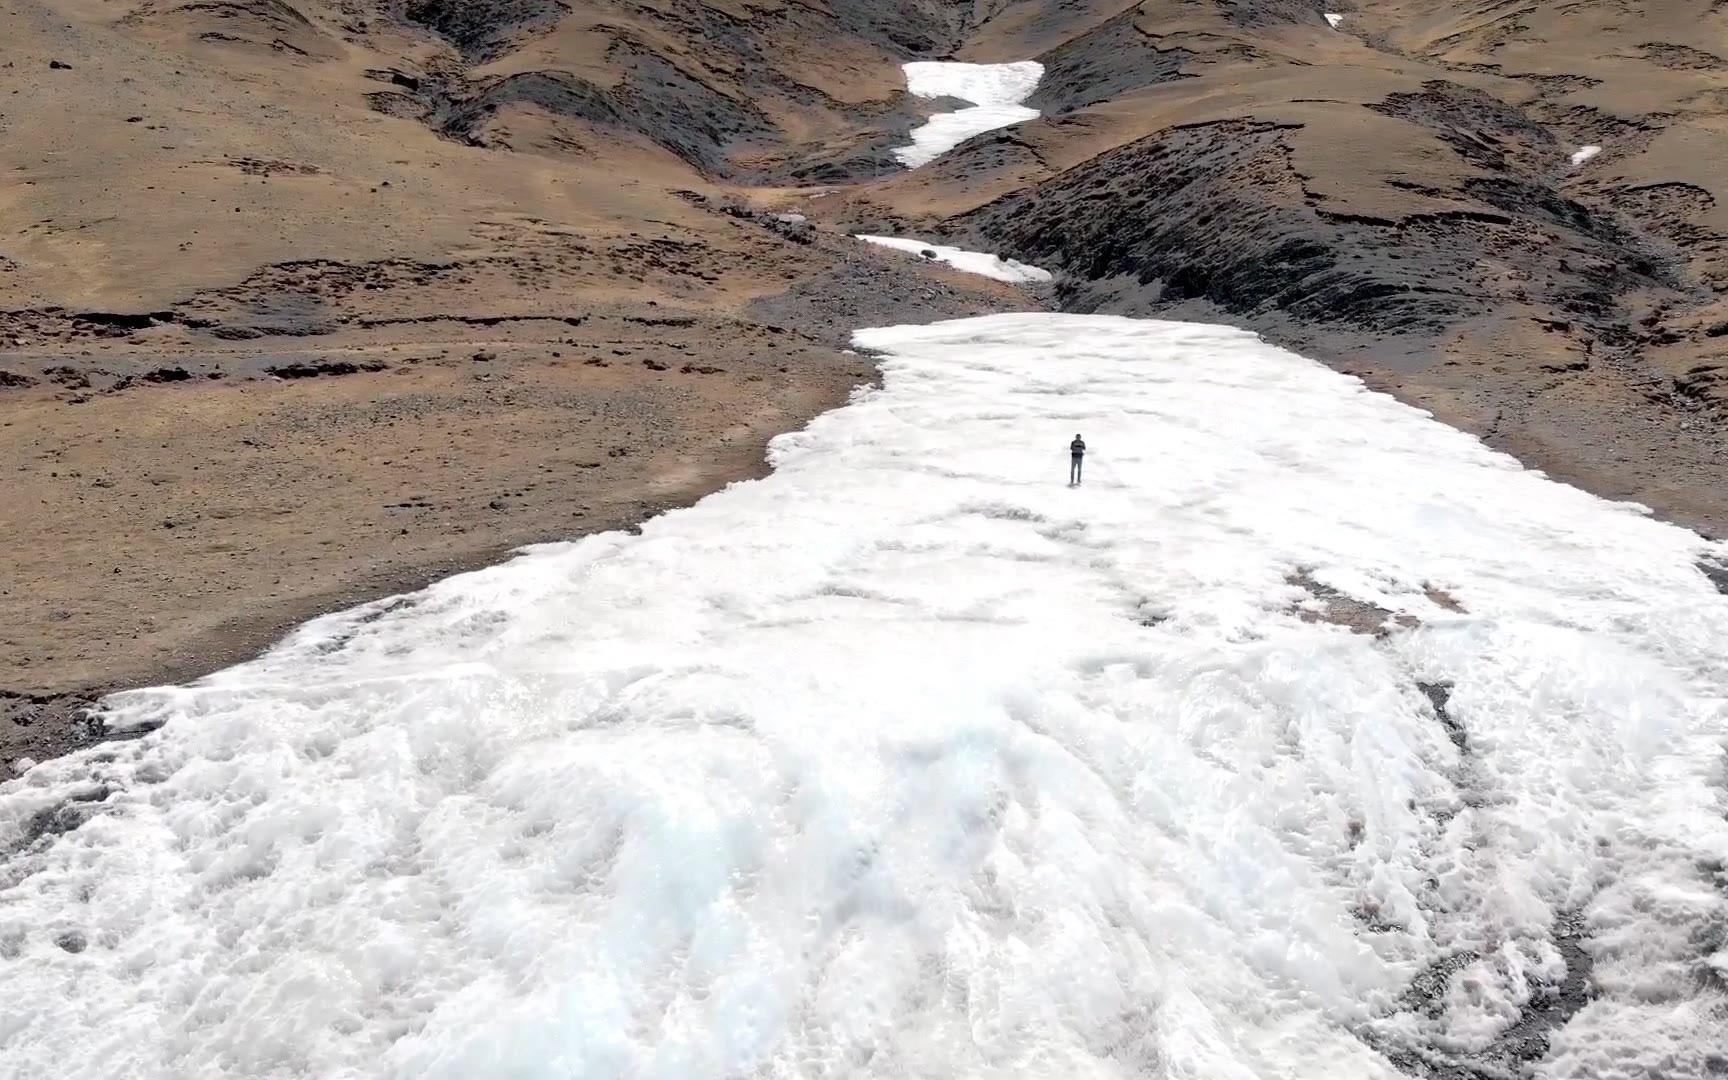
481, 29
1217, 212
1104, 63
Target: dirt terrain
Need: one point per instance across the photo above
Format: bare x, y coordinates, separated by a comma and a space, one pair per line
307, 301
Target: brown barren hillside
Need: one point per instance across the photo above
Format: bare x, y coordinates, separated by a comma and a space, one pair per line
306, 301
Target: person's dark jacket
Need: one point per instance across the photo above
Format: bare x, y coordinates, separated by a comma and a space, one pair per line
1077, 447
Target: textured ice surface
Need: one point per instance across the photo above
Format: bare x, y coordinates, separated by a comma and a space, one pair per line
997, 93
909, 760
973, 262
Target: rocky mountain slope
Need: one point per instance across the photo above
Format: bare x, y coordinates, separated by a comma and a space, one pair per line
306, 300
1407, 193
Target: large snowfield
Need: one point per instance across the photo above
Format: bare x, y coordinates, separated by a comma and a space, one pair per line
911, 761
996, 92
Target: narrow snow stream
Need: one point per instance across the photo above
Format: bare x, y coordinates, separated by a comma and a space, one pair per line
972, 262
910, 760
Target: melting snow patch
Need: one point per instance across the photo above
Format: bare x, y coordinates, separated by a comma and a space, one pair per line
910, 760
973, 262
1334, 19
996, 91
1585, 153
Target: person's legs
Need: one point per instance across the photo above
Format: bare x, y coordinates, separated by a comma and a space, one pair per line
1074, 469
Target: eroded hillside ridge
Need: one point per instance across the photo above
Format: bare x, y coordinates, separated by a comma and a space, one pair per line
1220, 212
738, 92
1487, 199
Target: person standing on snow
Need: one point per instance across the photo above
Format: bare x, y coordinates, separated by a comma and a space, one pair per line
1076, 451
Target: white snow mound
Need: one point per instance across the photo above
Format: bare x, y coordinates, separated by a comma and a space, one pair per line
1334, 19
997, 93
973, 262
1585, 153
910, 760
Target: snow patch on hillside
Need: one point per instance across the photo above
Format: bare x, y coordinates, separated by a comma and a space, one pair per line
997, 93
